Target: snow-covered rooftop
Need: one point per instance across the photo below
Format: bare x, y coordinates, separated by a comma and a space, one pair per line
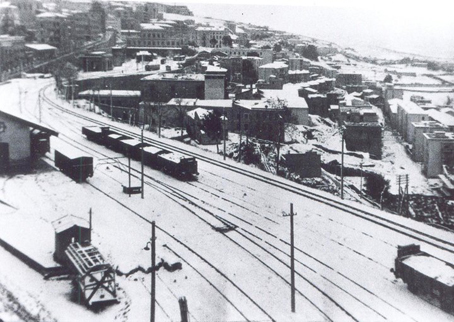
40, 46
441, 117
200, 112
67, 222
107, 92
277, 64
176, 77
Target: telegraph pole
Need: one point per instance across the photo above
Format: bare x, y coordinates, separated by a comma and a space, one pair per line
39, 106
111, 107
141, 159
342, 164
153, 273
223, 130
292, 257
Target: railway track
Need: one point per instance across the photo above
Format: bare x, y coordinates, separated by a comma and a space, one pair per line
312, 194
246, 235
252, 238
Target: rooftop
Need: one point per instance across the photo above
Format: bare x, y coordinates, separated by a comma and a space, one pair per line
443, 118
107, 93
440, 135
68, 221
40, 46
276, 64
150, 26
175, 77
200, 112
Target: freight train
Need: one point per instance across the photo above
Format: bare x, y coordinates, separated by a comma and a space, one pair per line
74, 164
172, 163
426, 276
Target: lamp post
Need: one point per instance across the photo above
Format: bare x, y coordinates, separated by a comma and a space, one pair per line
153, 271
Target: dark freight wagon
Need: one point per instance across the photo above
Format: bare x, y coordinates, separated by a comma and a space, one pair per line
177, 164
113, 141
95, 133
425, 275
132, 148
150, 156
74, 164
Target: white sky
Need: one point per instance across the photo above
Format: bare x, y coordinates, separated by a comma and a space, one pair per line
425, 27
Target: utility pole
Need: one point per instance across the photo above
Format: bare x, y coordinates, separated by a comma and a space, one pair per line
141, 159
361, 182
39, 106
342, 163
278, 144
223, 130
292, 257
153, 273
111, 106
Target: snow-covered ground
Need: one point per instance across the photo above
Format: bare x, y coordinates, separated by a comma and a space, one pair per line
342, 261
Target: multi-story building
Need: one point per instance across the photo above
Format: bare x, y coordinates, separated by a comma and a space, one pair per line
85, 26
265, 54
164, 87
416, 137
344, 79
156, 35
443, 118
407, 113
278, 69
180, 10
210, 36
55, 29
299, 63
438, 151
12, 55
27, 11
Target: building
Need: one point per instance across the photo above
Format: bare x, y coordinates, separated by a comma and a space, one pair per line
122, 104
12, 56
278, 69
164, 87
365, 137
299, 63
416, 137
210, 36
265, 54
299, 76
55, 29
156, 34
215, 85
41, 52
445, 119
344, 79
16, 144
86, 26
438, 151
306, 165
258, 118
96, 61
407, 113
27, 11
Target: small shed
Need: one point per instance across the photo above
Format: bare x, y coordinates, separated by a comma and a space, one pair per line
69, 229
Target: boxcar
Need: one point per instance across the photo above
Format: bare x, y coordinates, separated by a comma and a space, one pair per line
426, 275
150, 156
177, 164
132, 148
74, 164
95, 133
113, 141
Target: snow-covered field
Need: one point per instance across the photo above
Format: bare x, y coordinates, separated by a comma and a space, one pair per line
342, 261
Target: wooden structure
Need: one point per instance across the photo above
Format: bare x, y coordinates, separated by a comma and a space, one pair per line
95, 278
69, 229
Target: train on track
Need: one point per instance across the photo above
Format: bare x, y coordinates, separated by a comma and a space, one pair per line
74, 164
426, 276
172, 163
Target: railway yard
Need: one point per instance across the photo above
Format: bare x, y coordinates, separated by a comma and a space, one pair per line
226, 228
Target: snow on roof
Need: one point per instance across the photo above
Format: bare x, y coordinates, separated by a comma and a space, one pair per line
409, 107
143, 53
441, 117
182, 101
68, 221
211, 28
298, 72
214, 103
213, 69
40, 46
432, 267
289, 92
276, 64
153, 150
200, 112
131, 142
174, 156
108, 92
27, 122
51, 15
176, 77
150, 26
